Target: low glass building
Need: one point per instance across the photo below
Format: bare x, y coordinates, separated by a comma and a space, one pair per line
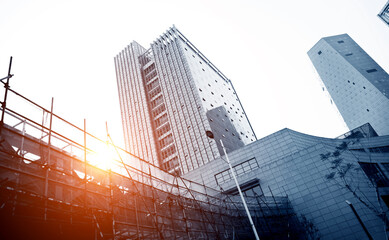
324, 179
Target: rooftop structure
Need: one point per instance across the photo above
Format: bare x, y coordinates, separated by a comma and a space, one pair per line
384, 13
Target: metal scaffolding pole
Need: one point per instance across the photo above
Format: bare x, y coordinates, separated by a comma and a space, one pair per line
6, 86
48, 160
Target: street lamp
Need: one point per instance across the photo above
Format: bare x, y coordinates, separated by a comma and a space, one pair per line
210, 135
359, 220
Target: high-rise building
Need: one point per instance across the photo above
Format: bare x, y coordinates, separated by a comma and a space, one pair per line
384, 13
358, 86
170, 95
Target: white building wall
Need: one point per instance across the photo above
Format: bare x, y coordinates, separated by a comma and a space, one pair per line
358, 86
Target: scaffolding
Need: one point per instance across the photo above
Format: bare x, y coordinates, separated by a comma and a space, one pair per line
50, 187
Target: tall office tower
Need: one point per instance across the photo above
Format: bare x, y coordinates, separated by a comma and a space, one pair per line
358, 86
384, 13
170, 95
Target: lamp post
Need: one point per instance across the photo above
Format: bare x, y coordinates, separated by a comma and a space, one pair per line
210, 135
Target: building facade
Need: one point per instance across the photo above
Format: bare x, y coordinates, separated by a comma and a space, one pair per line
317, 175
384, 13
170, 95
358, 86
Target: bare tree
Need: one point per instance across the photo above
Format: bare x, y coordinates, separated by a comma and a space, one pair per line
345, 174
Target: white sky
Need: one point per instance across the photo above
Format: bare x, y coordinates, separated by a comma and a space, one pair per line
65, 50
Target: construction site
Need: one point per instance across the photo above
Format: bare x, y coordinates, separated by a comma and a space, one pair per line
55, 184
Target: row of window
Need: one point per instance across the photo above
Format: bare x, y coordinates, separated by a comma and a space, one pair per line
165, 141
240, 169
161, 120
171, 164
152, 84
149, 69
375, 174
161, 108
156, 101
384, 149
161, 131
353, 84
155, 92
151, 76
168, 151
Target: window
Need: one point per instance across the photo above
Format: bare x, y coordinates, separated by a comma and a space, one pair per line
375, 174
384, 149
204, 99
319, 52
368, 110
371, 70
341, 41
348, 54
386, 199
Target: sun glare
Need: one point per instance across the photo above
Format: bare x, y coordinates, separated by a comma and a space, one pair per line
104, 157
